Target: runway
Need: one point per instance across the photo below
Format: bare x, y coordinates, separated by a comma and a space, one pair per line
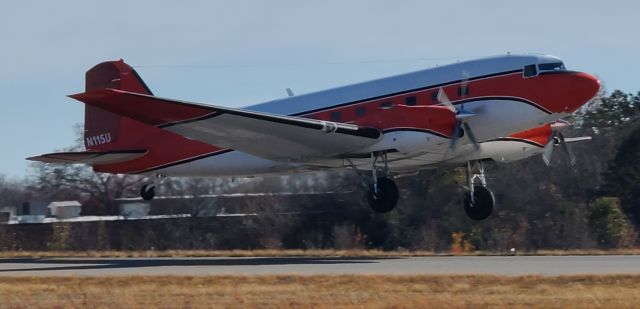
498, 265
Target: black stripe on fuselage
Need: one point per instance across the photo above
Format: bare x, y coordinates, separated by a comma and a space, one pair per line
557, 72
505, 98
403, 92
515, 139
364, 132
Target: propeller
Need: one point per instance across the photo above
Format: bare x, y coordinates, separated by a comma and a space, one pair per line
462, 116
557, 138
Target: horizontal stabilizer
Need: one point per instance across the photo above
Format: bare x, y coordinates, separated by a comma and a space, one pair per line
89, 157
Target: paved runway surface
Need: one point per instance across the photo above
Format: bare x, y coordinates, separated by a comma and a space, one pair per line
500, 265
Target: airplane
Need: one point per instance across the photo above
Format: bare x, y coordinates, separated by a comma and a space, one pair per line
502, 108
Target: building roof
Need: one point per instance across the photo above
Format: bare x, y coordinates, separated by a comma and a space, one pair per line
64, 204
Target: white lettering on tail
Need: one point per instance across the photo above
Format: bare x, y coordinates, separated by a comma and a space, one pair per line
98, 139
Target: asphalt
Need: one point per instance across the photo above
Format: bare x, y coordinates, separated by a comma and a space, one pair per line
498, 265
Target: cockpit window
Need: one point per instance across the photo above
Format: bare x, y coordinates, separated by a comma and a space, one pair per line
555, 66
530, 70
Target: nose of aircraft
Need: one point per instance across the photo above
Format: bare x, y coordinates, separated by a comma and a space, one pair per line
585, 86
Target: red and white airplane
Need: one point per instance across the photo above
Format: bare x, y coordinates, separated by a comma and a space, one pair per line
501, 108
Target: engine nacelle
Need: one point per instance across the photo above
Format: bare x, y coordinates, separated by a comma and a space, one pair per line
407, 142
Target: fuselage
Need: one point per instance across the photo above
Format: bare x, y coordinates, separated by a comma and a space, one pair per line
509, 95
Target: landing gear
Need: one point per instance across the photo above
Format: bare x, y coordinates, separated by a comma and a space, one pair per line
385, 198
382, 191
480, 206
148, 191
479, 201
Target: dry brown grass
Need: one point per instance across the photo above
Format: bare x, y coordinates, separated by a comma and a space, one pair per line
347, 291
297, 253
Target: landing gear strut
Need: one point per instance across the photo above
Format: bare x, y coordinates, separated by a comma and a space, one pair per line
148, 191
382, 191
479, 201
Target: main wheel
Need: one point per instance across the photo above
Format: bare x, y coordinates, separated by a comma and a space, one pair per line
482, 205
386, 198
147, 192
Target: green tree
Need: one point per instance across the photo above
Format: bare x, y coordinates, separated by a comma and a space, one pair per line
623, 176
607, 222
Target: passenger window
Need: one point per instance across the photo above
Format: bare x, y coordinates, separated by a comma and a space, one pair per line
463, 91
411, 101
335, 116
530, 70
385, 105
434, 96
360, 111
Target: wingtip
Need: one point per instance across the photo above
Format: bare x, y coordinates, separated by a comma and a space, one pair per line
76, 96
34, 158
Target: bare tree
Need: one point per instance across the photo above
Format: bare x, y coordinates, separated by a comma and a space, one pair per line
98, 191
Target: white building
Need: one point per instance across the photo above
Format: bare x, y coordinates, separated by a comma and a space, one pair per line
65, 209
7, 213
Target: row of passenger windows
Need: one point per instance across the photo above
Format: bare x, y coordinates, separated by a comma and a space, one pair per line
412, 101
337, 116
361, 111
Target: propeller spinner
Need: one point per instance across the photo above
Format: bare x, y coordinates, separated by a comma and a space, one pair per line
462, 116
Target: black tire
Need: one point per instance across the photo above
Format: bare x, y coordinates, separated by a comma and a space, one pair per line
387, 197
482, 206
147, 193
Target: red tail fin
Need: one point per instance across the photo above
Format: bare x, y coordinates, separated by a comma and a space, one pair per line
115, 75
102, 128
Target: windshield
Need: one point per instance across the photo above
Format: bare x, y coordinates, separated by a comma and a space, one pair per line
555, 66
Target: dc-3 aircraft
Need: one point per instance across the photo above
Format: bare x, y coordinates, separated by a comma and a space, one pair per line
502, 108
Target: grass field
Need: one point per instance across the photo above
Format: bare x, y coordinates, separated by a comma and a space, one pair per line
297, 253
348, 291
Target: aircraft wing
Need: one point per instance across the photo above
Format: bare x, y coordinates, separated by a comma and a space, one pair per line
89, 157
270, 136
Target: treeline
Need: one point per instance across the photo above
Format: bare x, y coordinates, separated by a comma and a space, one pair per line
595, 204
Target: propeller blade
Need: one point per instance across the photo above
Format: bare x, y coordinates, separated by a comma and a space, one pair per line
444, 100
567, 149
464, 83
464, 115
472, 137
454, 137
548, 149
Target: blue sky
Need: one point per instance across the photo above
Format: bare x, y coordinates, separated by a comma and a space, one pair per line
237, 53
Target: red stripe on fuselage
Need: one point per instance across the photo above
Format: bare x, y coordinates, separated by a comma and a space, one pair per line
551, 93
